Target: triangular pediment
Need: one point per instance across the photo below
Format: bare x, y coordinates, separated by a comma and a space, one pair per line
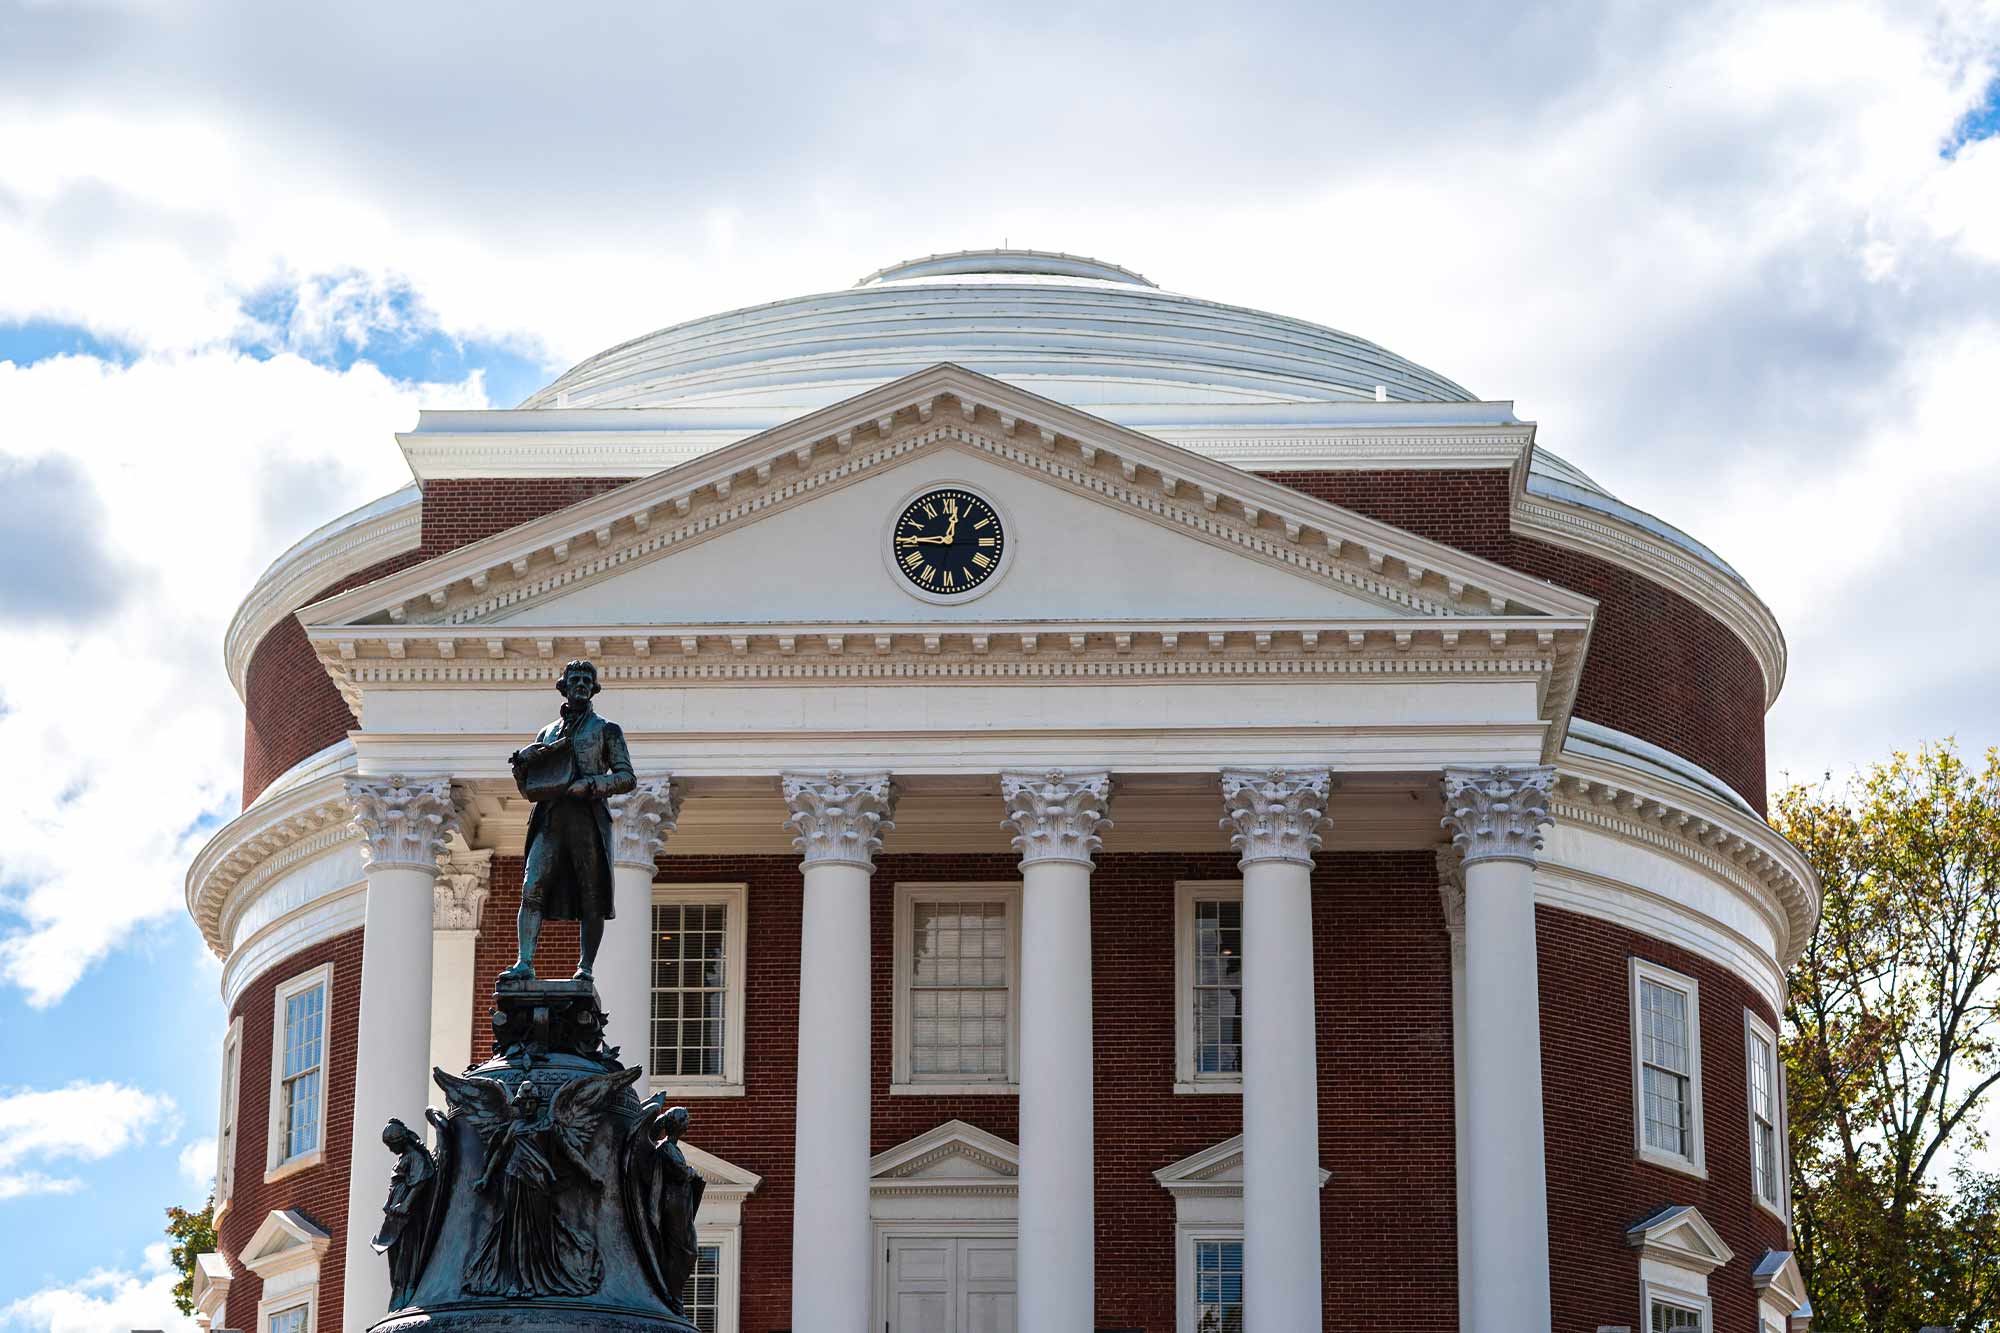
1681, 1236
721, 1176
774, 548
953, 1155
285, 1239
1214, 1170
1777, 1276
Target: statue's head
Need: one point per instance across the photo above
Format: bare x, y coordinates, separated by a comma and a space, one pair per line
675, 1122
578, 682
397, 1136
527, 1098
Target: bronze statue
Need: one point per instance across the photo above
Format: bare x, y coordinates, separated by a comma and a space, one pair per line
406, 1218
541, 1239
661, 1194
569, 769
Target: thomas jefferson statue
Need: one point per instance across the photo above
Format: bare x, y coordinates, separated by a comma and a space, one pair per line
573, 764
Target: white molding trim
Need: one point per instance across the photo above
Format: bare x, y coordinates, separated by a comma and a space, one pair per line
209, 1289
1757, 1029
902, 1081
317, 562
323, 917
276, 1166
1186, 892
1694, 1162
735, 900
260, 844
285, 1254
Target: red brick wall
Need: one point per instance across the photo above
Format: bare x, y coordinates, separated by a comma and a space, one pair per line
319, 1192
1384, 994
291, 709
1597, 1185
1660, 667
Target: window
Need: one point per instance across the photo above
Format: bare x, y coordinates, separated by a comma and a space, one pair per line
957, 965
1665, 1317
698, 960
291, 1319
1666, 1038
1218, 1286
225, 1134
703, 1297
1767, 1162
1208, 965
298, 1072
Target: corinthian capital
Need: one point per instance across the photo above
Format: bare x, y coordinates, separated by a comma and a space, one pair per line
839, 818
1055, 814
404, 824
1273, 814
458, 898
641, 819
1496, 814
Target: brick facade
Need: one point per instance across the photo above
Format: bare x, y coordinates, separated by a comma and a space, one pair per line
1384, 1002
1660, 668
1597, 1185
319, 1192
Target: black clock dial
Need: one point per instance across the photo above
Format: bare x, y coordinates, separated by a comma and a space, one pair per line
948, 541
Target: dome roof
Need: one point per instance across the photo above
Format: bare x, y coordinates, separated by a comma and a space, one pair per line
1077, 330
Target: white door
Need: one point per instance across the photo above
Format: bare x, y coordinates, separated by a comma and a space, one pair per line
943, 1284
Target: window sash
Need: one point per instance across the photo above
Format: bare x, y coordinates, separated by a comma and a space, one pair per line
1218, 1286
1765, 1168
1217, 992
702, 1298
1665, 1012
291, 1319
299, 1081
960, 1000
1668, 1317
690, 992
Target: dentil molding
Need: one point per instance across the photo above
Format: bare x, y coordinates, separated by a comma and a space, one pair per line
641, 819
839, 818
1274, 814
404, 824
1056, 814
1496, 814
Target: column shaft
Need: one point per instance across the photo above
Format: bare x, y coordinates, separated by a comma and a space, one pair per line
454, 956
625, 965
838, 819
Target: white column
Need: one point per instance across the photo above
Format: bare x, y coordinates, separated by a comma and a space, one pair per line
1274, 817
1495, 815
458, 901
1055, 816
838, 819
405, 825
641, 819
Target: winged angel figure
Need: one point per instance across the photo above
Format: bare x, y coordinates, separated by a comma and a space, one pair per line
538, 1240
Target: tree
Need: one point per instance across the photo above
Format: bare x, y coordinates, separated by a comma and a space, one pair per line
193, 1235
1893, 1044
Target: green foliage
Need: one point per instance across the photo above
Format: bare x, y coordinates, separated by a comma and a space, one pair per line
1893, 1043
192, 1234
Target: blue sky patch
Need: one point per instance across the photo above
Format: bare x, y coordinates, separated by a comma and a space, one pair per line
41, 340
1982, 122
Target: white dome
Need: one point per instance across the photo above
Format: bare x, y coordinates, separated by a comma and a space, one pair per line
1077, 330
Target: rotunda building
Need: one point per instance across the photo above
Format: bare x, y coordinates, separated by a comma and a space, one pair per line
1151, 815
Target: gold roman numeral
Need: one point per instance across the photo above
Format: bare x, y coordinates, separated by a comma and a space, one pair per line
913, 559
983, 560
988, 541
929, 512
982, 523
930, 573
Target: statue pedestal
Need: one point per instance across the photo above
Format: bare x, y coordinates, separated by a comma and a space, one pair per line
556, 1202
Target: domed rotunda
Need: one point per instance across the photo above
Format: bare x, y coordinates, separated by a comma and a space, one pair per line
1150, 815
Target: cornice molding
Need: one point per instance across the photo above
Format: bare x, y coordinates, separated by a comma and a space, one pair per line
1275, 814
839, 818
1352, 449
308, 569
259, 845
1729, 600
1056, 814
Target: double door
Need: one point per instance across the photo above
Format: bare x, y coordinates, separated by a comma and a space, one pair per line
949, 1284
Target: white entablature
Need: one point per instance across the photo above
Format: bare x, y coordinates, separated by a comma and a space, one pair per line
1124, 550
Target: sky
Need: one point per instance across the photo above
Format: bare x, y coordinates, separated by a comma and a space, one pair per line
1740, 261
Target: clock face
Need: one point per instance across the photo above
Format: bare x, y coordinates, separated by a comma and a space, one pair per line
947, 541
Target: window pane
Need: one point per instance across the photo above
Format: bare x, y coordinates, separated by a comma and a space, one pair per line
1674, 1318
702, 1299
1666, 1111
958, 1000
299, 1073
288, 1321
1218, 986
1763, 1118
690, 987
1663, 1026
1218, 1286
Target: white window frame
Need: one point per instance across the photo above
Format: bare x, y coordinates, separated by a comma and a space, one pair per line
728, 1271
227, 1118
902, 1082
290, 1300
1755, 1027
1653, 1292
1186, 1290
1695, 1162
1187, 893
275, 1166
736, 899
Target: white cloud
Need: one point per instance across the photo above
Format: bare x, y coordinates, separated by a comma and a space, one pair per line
83, 1122
106, 1301
202, 467
197, 1163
